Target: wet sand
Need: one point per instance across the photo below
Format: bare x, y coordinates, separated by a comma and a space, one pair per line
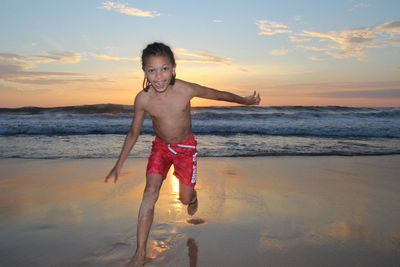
264, 211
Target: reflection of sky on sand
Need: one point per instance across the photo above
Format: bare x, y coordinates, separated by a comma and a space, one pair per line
301, 208
301, 211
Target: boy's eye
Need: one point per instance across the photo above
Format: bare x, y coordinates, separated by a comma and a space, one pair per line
150, 70
165, 68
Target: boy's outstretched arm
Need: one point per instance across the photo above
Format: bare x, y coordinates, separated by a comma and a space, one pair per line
130, 140
210, 93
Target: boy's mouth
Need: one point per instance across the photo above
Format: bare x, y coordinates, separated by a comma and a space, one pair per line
159, 85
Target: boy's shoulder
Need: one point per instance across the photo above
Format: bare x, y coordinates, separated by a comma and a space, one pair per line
184, 85
141, 97
142, 94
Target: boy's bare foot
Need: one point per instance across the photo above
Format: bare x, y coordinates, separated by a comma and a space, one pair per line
193, 205
137, 260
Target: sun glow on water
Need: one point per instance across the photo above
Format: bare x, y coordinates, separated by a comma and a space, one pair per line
174, 186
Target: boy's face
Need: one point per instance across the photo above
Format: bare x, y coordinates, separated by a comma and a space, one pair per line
159, 72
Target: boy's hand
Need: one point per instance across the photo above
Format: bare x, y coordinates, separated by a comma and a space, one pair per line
253, 99
114, 172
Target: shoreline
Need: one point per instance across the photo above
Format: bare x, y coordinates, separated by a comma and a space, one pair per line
133, 157
275, 210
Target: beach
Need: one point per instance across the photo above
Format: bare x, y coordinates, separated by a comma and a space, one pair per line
253, 211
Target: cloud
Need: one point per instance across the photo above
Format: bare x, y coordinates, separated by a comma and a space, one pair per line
271, 28
56, 56
124, 9
319, 58
359, 5
394, 42
354, 42
50, 56
279, 52
15, 68
218, 21
108, 57
341, 86
9, 57
313, 48
184, 55
390, 27
393, 30
347, 43
46, 80
299, 39
10, 64
385, 93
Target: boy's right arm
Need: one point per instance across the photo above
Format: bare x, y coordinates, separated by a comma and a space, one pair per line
130, 140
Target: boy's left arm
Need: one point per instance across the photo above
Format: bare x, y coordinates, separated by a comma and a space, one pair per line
210, 93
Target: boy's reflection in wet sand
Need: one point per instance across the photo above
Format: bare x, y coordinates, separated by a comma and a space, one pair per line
193, 251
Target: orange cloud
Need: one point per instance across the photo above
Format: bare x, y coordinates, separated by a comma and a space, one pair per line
63, 57
347, 43
385, 93
268, 27
184, 55
299, 39
15, 68
124, 9
279, 52
50, 56
108, 57
391, 27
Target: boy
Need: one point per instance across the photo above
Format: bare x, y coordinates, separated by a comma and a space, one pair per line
168, 102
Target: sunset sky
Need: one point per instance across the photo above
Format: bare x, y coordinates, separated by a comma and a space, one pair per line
65, 52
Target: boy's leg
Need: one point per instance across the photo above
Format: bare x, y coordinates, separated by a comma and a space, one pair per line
188, 196
146, 213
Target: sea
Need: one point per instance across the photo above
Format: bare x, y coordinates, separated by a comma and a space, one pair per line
98, 131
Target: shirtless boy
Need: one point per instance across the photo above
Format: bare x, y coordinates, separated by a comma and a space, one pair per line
167, 100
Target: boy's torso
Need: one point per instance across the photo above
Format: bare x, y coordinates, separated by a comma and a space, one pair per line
170, 112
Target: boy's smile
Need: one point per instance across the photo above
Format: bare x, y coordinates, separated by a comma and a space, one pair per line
159, 72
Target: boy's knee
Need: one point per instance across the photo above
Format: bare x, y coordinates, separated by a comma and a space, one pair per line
151, 193
152, 189
186, 199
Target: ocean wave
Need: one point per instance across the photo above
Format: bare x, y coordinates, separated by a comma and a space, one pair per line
82, 109
109, 119
212, 110
123, 130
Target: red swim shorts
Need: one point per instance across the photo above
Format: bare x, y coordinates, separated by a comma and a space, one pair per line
183, 155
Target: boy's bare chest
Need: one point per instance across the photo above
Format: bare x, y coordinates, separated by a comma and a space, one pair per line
171, 108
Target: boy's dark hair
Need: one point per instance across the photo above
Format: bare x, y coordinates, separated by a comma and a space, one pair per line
156, 49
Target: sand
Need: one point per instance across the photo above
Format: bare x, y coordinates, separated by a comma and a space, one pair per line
264, 211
